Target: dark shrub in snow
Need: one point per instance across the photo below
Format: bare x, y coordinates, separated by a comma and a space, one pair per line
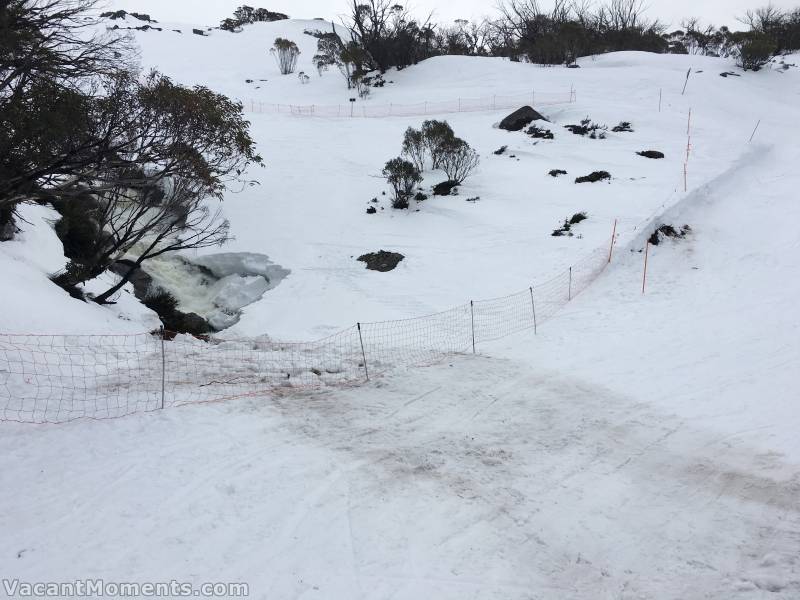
756, 51
65, 280
165, 305
577, 218
402, 176
566, 228
540, 133
415, 147
500, 150
371, 210
286, 53
668, 231
557, 172
458, 160
593, 177
624, 126
436, 134
587, 127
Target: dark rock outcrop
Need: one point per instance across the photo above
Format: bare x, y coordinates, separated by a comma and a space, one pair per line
594, 177
382, 261
445, 188
521, 117
651, 154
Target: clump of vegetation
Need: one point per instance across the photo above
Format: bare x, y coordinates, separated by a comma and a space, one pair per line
756, 51
458, 159
594, 177
668, 231
435, 135
566, 228
350, 58
286, 53
540, 133
501, 150
415, 147
402, 175
131, 162
623, 127
165, 305
436, 142
246, 15
588, 127
557, 172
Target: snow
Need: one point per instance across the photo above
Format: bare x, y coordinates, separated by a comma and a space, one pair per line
637, 446
31, 303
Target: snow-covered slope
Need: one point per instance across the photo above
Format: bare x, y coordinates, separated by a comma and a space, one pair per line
308, 213
640, 446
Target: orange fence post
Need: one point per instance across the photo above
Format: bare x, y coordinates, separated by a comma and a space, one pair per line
613, 238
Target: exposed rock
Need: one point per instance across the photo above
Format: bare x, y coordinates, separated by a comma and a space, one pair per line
445, 188
500, 150
371, 210
198, 32
521, 117
593, 177
557, 172
382, 261
651, 154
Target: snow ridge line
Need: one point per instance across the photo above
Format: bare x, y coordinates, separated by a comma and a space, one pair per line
366, 110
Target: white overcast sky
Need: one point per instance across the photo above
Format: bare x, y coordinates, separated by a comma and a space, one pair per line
209, 12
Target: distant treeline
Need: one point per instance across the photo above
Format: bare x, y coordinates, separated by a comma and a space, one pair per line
385, 34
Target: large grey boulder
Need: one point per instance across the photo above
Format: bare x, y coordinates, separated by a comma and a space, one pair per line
520, 118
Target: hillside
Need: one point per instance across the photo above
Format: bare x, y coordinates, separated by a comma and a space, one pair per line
307, 213
641, 442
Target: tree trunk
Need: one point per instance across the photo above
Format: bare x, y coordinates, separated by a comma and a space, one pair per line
103, 298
